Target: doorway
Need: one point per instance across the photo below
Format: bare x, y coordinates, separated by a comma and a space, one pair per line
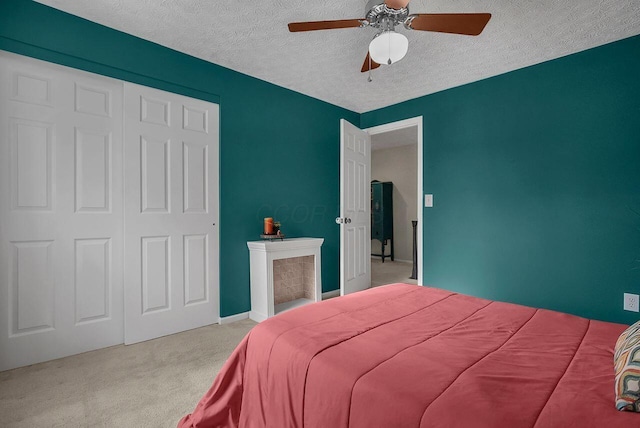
396, 158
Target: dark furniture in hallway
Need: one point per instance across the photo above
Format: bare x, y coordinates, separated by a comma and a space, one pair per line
382, 215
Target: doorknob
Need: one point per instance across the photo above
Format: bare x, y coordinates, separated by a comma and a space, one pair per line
339, 220
347, 220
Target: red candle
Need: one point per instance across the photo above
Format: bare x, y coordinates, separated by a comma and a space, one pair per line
268, 225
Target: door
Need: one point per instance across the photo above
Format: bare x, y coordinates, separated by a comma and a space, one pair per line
355, 209
60, 211
171, 213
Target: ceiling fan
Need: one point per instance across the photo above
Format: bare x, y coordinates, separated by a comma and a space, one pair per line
388, 46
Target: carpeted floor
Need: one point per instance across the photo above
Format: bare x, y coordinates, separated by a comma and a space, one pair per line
149, 384
390, 272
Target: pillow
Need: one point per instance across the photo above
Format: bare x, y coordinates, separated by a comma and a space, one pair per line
626, 360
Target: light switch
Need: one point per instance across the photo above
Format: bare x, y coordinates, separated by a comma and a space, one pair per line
428, 201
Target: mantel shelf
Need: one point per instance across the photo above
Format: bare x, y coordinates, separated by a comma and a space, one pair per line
285, 244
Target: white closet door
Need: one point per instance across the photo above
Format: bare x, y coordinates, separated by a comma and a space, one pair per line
171, 213
60, 211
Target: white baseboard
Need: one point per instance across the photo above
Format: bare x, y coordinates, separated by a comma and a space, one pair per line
233, 318
330, 294
245, 315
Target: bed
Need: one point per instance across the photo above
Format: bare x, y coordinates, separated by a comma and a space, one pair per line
408, 356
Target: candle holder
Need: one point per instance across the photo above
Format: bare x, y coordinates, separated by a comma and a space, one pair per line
272, 229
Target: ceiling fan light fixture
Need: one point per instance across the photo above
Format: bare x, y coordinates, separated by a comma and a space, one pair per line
388, 47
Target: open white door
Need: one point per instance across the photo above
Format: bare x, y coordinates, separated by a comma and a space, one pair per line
171, 213
355, 209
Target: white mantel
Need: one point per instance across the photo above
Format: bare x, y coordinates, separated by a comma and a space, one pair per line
262, 255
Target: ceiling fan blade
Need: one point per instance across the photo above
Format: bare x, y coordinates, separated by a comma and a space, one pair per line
470, 24
396, 4
365, 66
324, 25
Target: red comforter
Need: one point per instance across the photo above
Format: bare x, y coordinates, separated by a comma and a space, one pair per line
409, 356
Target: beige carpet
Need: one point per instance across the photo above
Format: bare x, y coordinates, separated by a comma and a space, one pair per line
390, 272
150, 384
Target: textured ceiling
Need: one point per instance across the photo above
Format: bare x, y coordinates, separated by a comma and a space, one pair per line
252, 37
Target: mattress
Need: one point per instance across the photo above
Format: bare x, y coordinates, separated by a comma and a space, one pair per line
408, 356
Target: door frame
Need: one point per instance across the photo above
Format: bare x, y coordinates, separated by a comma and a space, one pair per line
394, 126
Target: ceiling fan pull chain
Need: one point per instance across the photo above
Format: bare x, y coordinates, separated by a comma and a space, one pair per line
369, 79
389, 60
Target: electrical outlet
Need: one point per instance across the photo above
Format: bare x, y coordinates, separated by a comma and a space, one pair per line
631, 302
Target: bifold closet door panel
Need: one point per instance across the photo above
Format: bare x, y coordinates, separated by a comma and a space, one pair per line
171, 213
61, 211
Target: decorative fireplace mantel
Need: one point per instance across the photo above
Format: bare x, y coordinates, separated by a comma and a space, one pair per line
284, 275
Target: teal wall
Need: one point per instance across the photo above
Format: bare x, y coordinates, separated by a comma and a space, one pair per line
279, 149
536, 183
